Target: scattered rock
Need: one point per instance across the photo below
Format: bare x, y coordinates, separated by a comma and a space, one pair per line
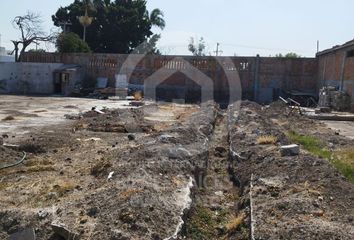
165, 138
63, 231
110, 176
92, 211
290, 150
318, 213
219, 193
131, 137
178, 153
52, 195
42, 213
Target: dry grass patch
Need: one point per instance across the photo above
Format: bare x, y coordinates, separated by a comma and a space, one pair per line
267, 139
235, 223
40, 168
63, 188
35, 162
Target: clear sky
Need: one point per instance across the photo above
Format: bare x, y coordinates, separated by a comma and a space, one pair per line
243, 27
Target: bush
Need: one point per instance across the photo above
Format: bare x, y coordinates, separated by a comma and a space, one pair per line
70, 43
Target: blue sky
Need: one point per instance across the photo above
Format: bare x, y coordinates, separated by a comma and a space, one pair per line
243, 27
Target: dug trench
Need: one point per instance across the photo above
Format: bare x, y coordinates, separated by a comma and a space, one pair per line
215, 212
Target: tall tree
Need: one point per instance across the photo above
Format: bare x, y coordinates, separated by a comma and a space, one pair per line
118, 26
31, 31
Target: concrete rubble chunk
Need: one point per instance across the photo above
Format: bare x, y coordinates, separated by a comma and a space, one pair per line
290, 150
27, 234
63, 231
42, 213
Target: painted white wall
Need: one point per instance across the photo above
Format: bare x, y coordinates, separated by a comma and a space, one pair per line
7, 58
37, 77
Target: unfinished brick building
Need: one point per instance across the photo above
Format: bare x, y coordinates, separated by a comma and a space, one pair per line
336, 68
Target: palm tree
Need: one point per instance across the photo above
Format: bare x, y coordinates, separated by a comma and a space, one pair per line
156, 18
85, 20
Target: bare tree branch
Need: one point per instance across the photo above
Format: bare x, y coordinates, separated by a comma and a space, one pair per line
30, 27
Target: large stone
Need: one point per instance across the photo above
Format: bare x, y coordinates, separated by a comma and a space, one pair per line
63, 231
290, 150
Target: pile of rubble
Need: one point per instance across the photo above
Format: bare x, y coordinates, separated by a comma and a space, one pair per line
331, 98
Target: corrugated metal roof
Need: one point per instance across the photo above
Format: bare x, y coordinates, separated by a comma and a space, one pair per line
336, 48
67, 67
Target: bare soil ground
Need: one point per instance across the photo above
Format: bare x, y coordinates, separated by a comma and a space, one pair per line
169, 172
64, 178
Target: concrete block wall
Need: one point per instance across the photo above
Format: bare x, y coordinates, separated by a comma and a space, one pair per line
28, 78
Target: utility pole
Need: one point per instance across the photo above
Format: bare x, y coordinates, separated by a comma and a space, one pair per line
64, 24
217, 49
318, 46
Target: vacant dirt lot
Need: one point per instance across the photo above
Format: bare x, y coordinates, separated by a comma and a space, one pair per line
168, 171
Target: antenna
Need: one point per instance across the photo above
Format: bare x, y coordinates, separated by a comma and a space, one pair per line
217, 49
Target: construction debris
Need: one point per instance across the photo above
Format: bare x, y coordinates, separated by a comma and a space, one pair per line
334, 99
290, 150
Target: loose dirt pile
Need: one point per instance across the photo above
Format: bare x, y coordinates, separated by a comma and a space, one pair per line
295, 197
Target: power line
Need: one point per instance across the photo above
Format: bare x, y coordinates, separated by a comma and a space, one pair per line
263, 48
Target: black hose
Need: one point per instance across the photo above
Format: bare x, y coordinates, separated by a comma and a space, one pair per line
15, 164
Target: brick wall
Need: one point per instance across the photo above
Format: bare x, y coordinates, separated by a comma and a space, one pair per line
262, 79
337, 69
